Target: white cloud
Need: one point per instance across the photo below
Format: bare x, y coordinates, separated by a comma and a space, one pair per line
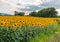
9, 6
58, 10
33, 2
5, 7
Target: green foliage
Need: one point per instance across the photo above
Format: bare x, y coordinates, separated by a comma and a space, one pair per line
19, 13
26, 33
33, 13
47, 12
58, 21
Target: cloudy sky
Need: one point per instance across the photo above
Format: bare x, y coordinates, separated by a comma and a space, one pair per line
9, 6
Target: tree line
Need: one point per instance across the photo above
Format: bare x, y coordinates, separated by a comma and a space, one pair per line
46, 12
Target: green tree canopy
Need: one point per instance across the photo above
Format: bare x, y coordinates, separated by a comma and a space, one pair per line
47, 12
34, 13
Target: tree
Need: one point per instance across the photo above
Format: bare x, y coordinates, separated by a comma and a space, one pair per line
15, 13
19, 13
47, 12
34, 13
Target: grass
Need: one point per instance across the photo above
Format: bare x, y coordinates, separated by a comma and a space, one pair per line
56, 36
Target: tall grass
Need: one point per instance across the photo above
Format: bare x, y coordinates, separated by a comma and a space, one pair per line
27, 33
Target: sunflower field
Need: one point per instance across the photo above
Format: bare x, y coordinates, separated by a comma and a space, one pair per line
26, 28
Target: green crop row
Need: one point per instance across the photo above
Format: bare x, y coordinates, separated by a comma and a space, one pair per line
26, 33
